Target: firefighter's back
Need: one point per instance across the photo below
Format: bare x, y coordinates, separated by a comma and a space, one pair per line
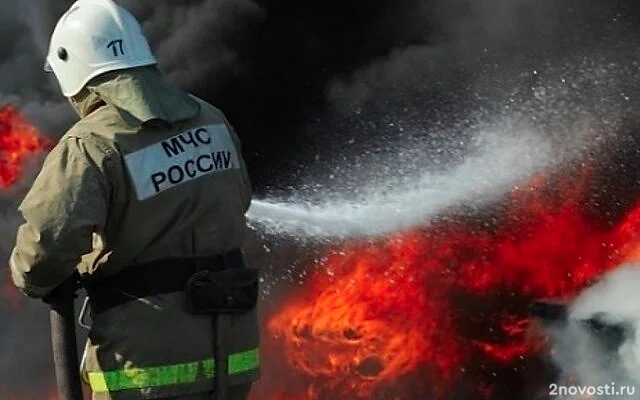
179, 191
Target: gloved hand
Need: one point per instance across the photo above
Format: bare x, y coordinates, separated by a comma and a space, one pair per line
57, 294
64, 290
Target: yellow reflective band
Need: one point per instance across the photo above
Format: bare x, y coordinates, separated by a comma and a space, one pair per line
177, 374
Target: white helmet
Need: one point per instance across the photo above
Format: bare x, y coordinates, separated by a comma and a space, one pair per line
94, 37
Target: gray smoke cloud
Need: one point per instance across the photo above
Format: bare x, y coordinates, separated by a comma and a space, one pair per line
22, 79
602, 357
197, 42
540, 63
490, 48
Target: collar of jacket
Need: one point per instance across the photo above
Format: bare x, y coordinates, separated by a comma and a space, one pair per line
139, 95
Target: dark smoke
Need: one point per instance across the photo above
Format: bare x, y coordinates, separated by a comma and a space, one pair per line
307, 83
212, 33
22, 79
566, 68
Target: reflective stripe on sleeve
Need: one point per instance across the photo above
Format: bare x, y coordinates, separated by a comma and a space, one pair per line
168, 375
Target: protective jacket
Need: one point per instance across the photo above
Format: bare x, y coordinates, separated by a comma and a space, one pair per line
149, 173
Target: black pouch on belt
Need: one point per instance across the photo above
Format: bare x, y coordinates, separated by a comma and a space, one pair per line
230, 291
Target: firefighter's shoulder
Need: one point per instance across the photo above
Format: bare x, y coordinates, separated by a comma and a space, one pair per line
210, 109
97, 130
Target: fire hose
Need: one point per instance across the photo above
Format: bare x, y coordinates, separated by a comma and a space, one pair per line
63, 341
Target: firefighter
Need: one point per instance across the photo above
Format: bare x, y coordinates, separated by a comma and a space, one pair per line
144, 200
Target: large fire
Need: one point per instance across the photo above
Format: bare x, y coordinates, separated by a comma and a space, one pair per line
441, 311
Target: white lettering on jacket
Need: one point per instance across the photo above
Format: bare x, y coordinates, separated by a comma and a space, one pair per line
182, 158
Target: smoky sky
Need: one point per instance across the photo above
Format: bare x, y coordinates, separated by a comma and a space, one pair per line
306, 83
299, 79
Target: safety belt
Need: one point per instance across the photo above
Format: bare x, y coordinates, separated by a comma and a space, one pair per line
216, 293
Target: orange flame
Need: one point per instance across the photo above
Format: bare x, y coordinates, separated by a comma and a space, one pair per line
18, 141
441, 304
